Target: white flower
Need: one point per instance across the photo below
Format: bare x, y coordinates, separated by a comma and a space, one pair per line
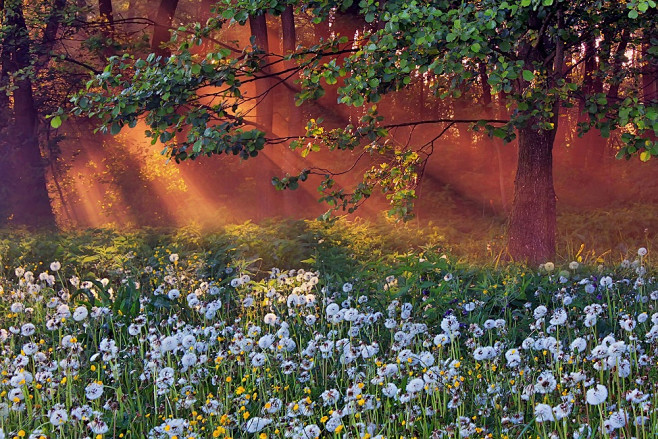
189, 359
642, 251
415, 385
270, 319
546, 382
606, 282
579, 344
58, 417
80, 313
597, 394
55, 266
549, 267
28, 329
450, 324
347, 287
98, 426
628, 323
258, 360
543, 413
559, 317
618, 419
333, 423
513, 357
311, 431
173, 258
540, 312
390, 390
173, 294
561, 411
332, 309
256, 424
573, 265
94, 391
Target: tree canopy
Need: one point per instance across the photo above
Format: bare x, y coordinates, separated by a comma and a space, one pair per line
535, 58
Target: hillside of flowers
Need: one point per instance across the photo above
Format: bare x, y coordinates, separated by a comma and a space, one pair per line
419, 346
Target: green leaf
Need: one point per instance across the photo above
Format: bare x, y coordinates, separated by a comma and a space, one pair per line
115, 128
528, 75
645, 156
56, 122
633, 14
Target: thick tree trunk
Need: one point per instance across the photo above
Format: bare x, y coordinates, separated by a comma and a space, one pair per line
163, 21
26, 199
532, 224
263, 102
295, 122
649, 71
105, 10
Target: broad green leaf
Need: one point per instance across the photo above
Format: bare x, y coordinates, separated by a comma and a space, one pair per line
528, 75
56, 122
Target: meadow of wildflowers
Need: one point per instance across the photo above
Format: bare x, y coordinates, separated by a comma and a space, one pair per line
420, 348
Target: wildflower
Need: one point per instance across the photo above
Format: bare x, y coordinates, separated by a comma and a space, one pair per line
597, 395
559, 317
332, 309
94, 391
98, 426
80, 313
55, 266
543, 413
58, 417
642, 252
540, 312
256, 424
546, 382
173, 258
415, 385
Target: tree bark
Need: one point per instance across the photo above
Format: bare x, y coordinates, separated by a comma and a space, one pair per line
163, 21
295, 123
105, 10
649, 70
532, 224
27, 202
263, 102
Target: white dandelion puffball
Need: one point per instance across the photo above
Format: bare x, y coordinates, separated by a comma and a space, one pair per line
254, 425
543, 413
597, 395
94, 391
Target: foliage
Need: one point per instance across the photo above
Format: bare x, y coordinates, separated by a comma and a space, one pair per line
522, 50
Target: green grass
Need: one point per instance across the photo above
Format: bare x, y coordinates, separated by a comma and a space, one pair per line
170, 327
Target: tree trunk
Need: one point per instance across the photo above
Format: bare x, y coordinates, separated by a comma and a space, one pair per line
27, 202
295, 123
105, 10
649, 70
163, 20
263, 100
532, 224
